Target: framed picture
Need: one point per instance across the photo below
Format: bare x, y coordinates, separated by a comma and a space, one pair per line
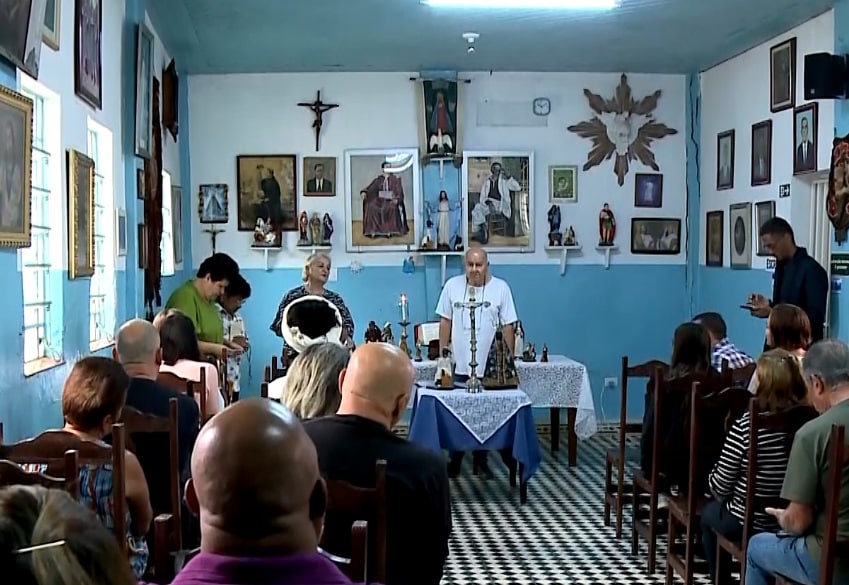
762, 153
171, 99
714, 238
764, 211
142, 243
213, 203
52, 20
80, 215
144, 92
725, 160
268, 190
440, 114
16, 162
805, 125
319, 173
177, 222
383, 190
88, 51
740, 234
120, 232
140, 184
656, 235
499, 199
782, 76
21, 27
648, 190
563, 184
441, 217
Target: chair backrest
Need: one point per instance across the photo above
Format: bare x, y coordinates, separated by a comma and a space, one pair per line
276, 370
263, 390
644, 370
12, 473
356, 566
176, 383
838, 460
740, 377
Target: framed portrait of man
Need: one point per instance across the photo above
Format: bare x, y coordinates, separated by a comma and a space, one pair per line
762, 153
740, 234
15, 168
714, 239
319, 173
764, 211
80, 215
21, 29
725, 160
805, 139
782, 75
563, 184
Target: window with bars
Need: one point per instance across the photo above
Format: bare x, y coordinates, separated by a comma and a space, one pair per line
102, 305
166, 243
41, 270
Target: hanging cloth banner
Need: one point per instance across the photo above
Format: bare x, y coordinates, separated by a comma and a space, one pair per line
441, 118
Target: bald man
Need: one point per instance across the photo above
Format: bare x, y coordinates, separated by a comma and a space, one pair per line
256, 487
376, 387
455, 328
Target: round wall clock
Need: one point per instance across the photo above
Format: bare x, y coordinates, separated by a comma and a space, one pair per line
542, 106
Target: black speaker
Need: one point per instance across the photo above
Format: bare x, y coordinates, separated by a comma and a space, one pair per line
825, 76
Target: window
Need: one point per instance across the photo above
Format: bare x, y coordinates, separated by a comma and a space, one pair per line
41, 263
166, 243
102, 307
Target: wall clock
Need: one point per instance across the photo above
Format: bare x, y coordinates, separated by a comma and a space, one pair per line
542, 106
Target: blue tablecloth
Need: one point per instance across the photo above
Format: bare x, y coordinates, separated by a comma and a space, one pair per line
437, 427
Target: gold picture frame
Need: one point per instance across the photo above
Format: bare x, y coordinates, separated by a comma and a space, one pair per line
15, 117
80, 215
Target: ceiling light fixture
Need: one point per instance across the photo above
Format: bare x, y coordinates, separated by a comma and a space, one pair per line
525, 4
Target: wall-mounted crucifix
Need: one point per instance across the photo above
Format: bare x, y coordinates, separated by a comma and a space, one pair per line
318, 108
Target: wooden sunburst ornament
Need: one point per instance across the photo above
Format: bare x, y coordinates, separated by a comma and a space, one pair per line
623, 127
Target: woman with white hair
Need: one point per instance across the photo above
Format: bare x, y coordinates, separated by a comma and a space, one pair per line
310, 389
315, 275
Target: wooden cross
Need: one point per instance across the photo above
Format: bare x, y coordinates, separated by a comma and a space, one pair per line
318, 108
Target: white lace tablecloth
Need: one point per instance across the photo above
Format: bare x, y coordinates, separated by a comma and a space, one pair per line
482, 413
558, 383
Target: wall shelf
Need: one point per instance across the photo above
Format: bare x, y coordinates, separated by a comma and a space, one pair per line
310, 249
564, 250
606, 250
265, 251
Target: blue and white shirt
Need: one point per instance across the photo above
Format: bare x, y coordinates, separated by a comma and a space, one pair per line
725, 350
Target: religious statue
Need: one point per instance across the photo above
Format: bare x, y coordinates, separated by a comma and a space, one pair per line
530, 354
519, 339
544, 357
555, 238
444, 377
328, 230
373, 334
303, 222
409, 265
264, 235
571, 239
427, 240
315, 230
388, 337
443, 223
418, 351
606, 226
500, 371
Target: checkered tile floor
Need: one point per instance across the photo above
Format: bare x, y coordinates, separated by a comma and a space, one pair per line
557, 538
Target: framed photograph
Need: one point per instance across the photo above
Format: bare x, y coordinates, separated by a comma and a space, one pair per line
656, 235
88, 51
764, 211
714, 238
144, 92
441, 215
762, 153
805, 126
213, 203
498, 190
725, 160
52, 18
383, 191
140, 184
782, 76
740, 235
142, 243
648, 190
177, 222
16, 164
563, 184
319, 173
268, 190
120, 232
21, 29
80, 215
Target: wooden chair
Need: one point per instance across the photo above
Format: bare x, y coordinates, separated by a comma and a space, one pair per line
740, 377
344, 497
354, 567
276, 371
12, 473
187, 387
614, 495
263, 390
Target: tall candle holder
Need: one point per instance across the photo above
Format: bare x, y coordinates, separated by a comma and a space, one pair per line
474, 385
402, 345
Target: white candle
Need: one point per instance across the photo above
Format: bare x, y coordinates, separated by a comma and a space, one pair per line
404, 309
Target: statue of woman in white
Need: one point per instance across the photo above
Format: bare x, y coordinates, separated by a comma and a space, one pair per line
443, 223
519, 340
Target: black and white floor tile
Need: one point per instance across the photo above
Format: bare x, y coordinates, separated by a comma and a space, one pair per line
557, 538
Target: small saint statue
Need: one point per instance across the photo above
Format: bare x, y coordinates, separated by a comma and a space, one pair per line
303, 222
555, 238
500, 371
427, 240
518, 339
388, 337
444, 377
443, 223
418, 357
315, 230
328, 230
544, 357
373, 334
606, 226
571, 238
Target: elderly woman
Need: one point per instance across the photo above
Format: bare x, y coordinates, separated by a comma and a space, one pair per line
316, 273
311, 387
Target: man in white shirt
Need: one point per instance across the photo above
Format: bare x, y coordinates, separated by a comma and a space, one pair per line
455, 327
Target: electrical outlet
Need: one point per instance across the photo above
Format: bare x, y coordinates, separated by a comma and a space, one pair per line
611, 382
333, 275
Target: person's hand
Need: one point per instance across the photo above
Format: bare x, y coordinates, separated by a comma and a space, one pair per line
778, 513
760, 305
233, 348
241, 341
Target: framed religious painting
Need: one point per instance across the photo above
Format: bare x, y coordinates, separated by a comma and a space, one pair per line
268, 191
88, 51
441, 111
805, 138
15, 169
319, 176
144, 92
213, 203
498, 190
52, 20
764, 211
714, 238
762, 153
563, 184
383, 192
782, 75
80, 215
725, 160
740, 235
21, 27
656, 235
441, 217
177, 222
648, 190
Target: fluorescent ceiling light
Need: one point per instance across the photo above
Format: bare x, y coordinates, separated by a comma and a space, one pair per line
525, 4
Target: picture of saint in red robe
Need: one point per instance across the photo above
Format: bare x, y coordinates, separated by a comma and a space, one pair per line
384, 211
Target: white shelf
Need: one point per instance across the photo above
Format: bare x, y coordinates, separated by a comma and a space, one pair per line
309, 248
606, 250
265, 251
564, 250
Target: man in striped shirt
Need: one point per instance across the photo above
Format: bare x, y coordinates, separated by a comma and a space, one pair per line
723, 349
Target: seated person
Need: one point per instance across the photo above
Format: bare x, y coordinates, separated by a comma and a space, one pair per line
312, 383
375, 389
92, 399
256, 486
780, 387
787, 328
722, 348
796, 554
46, 538
181, 356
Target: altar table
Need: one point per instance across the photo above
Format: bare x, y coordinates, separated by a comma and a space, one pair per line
558, 383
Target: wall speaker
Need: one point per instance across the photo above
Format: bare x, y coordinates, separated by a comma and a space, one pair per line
825, 76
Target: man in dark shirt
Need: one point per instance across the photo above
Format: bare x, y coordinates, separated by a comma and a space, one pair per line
375, 389
799, 279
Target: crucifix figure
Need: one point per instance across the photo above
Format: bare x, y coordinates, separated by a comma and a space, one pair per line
213, 233
474, 384
318, 108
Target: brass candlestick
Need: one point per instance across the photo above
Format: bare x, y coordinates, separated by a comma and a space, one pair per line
403, 344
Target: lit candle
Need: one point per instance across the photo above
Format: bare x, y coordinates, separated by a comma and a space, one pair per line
404, 309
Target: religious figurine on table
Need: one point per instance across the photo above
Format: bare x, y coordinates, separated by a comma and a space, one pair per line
418, 357
264, 234
373, 334
500, 372
606, 226
328, 230
544, 357
315, 230
444, 377
555, 238
571, 239
519, 343
388, 337
303, 223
